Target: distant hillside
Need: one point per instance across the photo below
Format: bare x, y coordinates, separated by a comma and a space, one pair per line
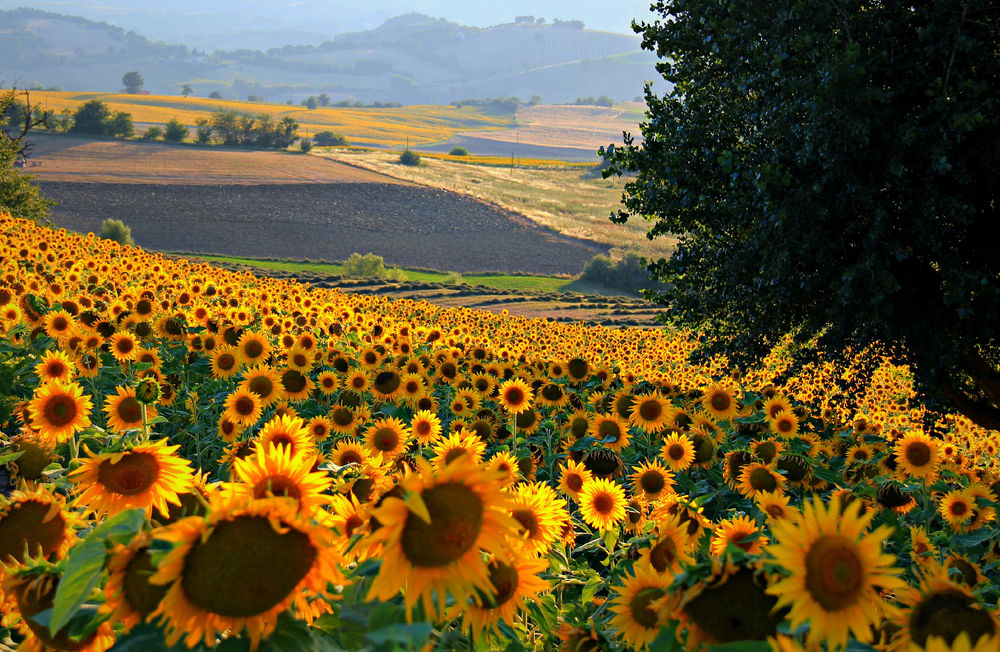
411, 59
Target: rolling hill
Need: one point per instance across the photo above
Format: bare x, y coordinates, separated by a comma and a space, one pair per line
410, 59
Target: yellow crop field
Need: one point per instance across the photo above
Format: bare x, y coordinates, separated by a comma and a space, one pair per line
416, 125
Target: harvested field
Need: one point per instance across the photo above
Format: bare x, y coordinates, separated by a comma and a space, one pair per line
66, 158
408, 225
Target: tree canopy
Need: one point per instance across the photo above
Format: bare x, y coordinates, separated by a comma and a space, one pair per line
133, 81
831, 170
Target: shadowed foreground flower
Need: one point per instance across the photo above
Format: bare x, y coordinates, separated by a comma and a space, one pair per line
635, 618
239, 568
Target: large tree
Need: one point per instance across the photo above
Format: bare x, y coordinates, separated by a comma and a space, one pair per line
831, 169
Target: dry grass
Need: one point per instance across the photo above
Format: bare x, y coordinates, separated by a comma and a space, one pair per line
391, 127
560, 198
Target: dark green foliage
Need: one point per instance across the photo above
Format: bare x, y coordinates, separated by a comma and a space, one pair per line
153, 133
458, 151
18, 195
174, 131
329, 139
116, 230
132, 81
186, 90
832, 172
215, 95
629, 273
306, 145
230, 127
95, 118
409, 157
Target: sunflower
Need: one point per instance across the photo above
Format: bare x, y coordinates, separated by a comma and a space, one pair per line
290, 432
358, 381
610, 430
386, 386
239, 568
34, 524
541, 515
669, 551
253, 347
433, 540
957, 508
785, 424
343, 420
145, 476
649, 412
729, 605
426, 427
30, 595
740, 531
511, 586
637, 622
505, 463
349, 451
272, 471
602, 503
328, 382
388, 437
776, 404
36, 453
319, 427
720, 403
651, 480
263, 381
961, 643
677, 451
55, 365
774, 504
229, 430
225, 362
572, 477
755, 478
295, 385
59, 410
515, 396
57, 323
836, 570
243, 407
124, 412
916, 455
129, 594
457, 444
940, 608
552, 395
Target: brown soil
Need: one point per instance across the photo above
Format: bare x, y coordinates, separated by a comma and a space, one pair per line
410, 226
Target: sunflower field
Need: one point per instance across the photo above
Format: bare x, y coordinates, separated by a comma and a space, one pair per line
196, 458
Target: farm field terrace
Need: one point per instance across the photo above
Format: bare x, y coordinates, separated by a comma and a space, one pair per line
198, 455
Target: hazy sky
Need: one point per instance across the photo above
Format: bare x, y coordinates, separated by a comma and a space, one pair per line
172, 20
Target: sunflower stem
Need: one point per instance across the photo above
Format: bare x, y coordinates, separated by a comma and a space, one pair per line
145, 426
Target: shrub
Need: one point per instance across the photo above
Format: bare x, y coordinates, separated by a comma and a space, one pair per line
330, 139
175, 132
305, 144
629, 273
153, 133
458, 151
409, 157
369, 266
116, 230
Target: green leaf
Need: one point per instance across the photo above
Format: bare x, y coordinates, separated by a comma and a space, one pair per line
10, 457
413, 634
85, 562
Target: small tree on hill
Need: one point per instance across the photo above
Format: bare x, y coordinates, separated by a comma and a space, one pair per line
92, 117
329, 139
174, 131
409, 157
133, 82
186, 90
